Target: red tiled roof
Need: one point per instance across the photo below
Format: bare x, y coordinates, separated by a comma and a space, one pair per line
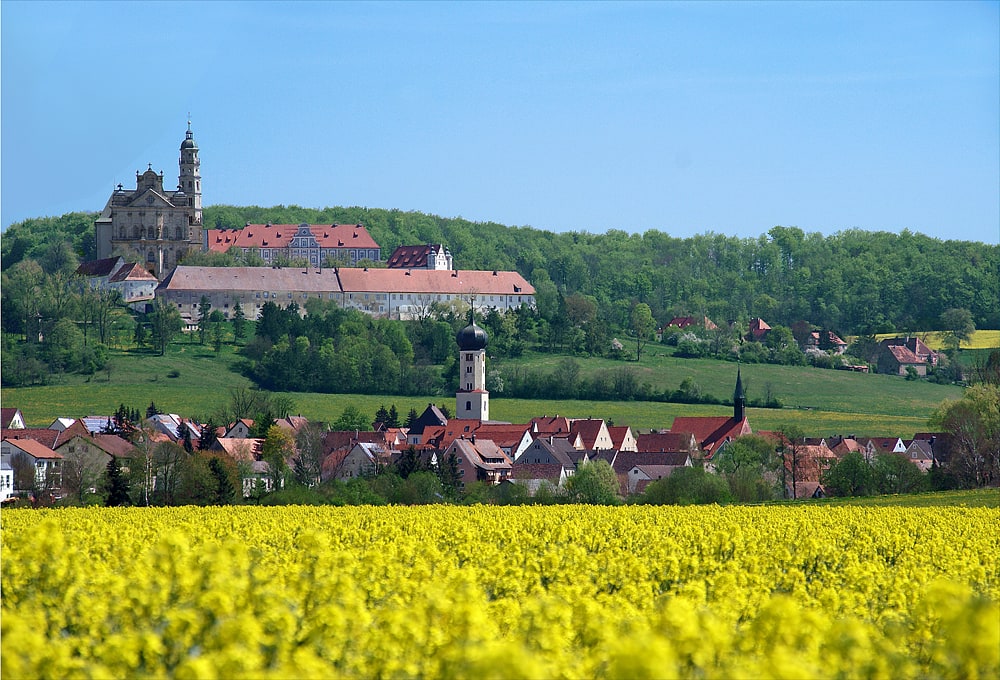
280, 236
711, 430
588, 429
618, 434
904, 355
426, 281
663, 441
33, 448
551, 425
412, 256
626, 460
549, 471
7, 415
131, 271
50, 438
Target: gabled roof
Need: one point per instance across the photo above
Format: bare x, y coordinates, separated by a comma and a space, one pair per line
104, 267
482, 453
7, 416
240, 449
710, 431
904, 355
559, 449
618, 433
111, 444
685, 321
412, 256
552, 472
626, 460
33, 448
554, 425
281, 235
50, 438
225, 279
589, 429
131, 271
664, 441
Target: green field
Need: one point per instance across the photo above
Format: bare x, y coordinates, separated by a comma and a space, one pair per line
972, 498
821, 402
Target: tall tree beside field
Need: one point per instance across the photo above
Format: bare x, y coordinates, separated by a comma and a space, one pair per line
116, 484
959, 325
165, 324
643, 324
594, 483
973, 423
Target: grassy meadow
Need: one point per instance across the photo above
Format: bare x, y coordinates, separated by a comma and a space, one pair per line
193, 380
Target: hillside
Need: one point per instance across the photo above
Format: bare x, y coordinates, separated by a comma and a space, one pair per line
853, 281
192, 380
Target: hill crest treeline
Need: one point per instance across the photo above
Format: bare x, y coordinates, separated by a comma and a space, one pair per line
854, 281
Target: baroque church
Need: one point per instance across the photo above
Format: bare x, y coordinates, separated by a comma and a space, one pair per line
155, 226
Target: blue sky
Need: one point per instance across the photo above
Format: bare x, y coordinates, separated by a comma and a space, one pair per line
681, 117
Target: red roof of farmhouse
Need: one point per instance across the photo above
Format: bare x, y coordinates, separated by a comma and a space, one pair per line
280, 236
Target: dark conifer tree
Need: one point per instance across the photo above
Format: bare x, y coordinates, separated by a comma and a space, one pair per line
116, 484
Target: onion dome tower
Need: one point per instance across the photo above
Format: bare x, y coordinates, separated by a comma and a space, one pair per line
472, 400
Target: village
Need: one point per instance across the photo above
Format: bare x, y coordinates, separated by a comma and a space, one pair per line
70, 458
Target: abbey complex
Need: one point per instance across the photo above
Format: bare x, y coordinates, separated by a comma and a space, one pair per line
149, 230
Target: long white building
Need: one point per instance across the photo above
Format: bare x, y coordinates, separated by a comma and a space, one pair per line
390, 293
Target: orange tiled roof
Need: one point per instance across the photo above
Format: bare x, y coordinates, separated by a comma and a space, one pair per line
280, 236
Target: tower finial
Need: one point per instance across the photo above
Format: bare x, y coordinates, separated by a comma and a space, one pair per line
739, 397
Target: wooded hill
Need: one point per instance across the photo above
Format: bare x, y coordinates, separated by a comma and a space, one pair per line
854, 281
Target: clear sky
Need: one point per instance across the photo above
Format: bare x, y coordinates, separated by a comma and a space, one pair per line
681, 117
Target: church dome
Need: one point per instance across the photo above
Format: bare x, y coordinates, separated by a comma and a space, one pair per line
188, 142
471, 338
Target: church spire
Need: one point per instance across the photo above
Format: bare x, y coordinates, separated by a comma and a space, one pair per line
739, 398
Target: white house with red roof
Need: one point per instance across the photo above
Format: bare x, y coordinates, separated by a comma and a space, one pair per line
33, 463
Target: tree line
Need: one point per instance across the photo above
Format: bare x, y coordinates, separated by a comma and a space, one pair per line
854, 281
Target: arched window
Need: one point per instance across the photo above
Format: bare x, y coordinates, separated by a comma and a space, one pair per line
178, 233
135, 232
150, 233
468, 406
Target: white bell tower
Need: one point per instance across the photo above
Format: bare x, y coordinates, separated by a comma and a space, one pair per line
472, 400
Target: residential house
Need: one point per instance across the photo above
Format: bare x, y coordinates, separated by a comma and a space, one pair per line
6, 480
812, 343
552, 450
365, 459
683, 322
758, 330
86, 457
593, 434
915, 345
622, 438
640, 476
920, 452
431, 417
871, 446
666, 442
34, 464
898, 359
431, 256
804, 468
636, 469
534, 476
11, 419
479, 460
241, 429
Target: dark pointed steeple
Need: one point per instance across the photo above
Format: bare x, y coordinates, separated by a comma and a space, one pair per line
739, 398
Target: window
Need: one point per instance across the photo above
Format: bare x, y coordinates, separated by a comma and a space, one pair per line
468, 369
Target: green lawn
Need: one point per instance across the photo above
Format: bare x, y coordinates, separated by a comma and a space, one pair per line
975, 498
821, 402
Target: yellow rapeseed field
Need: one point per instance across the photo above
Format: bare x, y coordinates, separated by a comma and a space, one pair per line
489, 592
